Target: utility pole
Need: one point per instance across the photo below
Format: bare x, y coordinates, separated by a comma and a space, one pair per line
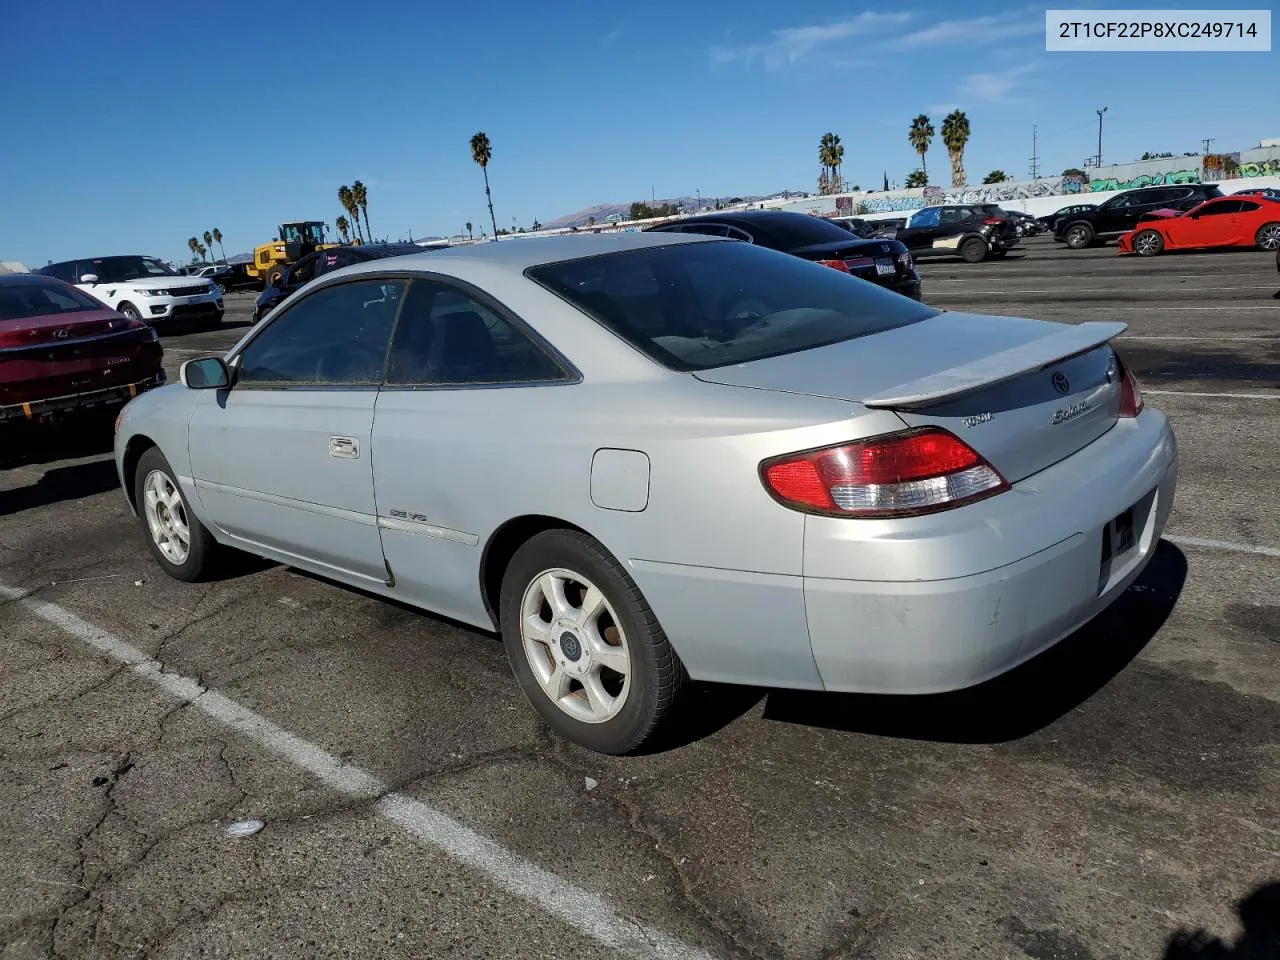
1208, 142
653, 200
1035, 156
1100, 113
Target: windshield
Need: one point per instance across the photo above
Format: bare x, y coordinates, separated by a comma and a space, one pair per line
26, 300
701, 305
119, 269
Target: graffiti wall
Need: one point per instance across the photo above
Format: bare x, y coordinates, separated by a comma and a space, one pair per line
1260, 168
1166, 178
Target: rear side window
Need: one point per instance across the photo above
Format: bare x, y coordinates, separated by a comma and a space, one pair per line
698, 306
447, 337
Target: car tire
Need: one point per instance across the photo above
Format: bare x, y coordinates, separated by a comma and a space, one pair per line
1148, 243
130, 311
163, 522
559, 653
1268, 237
973, 250
1078, 236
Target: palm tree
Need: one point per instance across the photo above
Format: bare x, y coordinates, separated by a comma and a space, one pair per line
955, 134
920, 136
830, 156
995, 176
202, 250
217, 238
343, 228
347, 200
360, 198
194, 246
482, 153
916, 179
208, 239
470, 235
591, 221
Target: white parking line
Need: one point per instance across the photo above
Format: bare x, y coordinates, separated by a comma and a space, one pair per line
1194, 393
586, 912
1225, 545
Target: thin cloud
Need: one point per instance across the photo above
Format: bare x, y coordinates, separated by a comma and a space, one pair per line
612, 36
993, 87
943, 108
977, 30
791, 44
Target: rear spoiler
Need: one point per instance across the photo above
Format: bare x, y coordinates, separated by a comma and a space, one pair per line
1069, 341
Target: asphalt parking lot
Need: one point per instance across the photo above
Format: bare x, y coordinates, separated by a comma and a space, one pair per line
1120, 790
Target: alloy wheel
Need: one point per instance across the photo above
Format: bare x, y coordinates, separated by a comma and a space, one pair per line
167, 517
1269, 237
575, 645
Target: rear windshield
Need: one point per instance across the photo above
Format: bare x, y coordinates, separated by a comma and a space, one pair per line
22, 301
790, 231
694, 306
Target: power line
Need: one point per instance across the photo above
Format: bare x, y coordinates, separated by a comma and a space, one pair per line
1207, 141
1035, 156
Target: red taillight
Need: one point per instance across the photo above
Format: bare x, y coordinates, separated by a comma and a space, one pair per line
900, 474
834, 265
1130, 393
993, 221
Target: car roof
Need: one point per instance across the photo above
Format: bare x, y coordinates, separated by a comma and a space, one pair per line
763, 217
517, 255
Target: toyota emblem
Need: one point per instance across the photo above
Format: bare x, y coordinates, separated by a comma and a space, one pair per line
1061, 383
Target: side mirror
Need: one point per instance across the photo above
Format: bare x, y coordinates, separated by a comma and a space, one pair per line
205, 373
276, 281
88, 278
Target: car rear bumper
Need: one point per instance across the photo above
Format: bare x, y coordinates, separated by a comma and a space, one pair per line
963, 597
39, 411
1016, 574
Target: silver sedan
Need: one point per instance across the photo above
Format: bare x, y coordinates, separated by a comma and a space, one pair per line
645, 458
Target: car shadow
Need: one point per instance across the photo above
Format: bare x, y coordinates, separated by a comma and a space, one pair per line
73, 482
1259, 940
1022, 701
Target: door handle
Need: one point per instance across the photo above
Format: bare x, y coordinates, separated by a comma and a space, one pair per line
344, 448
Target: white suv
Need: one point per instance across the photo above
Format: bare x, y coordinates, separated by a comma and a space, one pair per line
143, 288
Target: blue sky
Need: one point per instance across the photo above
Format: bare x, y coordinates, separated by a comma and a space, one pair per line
133, 126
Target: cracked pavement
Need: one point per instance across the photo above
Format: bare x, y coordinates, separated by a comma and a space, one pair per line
1120, 789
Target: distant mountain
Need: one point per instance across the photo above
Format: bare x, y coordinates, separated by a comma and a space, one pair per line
603, 211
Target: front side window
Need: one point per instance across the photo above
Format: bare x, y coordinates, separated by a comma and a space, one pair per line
928, 217
446, 336
122, 269
702, 305
336, 336
1219, 208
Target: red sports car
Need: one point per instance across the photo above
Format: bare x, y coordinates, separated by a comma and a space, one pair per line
62, 351
1235, 221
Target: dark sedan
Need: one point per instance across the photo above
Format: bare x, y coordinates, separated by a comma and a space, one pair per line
63, 352
298, 275
884, 262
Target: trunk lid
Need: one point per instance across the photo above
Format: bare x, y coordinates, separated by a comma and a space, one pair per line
1023, 393
871, 259
59, 328
46, 357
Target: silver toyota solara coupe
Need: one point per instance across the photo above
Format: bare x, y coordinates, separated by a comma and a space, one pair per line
645, 458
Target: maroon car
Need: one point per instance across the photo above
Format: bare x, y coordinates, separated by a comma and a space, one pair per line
63, 352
